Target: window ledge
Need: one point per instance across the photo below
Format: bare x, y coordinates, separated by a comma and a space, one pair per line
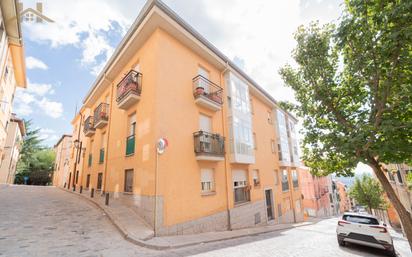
128, 155
242, 203
128, 193
208, 193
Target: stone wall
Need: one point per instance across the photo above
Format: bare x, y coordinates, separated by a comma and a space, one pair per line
248, 215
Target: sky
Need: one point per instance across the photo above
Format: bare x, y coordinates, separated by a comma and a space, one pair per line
64, 57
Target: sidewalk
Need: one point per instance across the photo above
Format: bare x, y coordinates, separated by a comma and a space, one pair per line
135, 230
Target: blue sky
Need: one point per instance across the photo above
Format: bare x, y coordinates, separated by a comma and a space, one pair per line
63, 58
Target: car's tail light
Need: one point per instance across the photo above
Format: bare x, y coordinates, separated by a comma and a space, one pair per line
382, 229
341, 222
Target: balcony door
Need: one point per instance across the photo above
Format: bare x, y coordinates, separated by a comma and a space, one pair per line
205, 125
205, 74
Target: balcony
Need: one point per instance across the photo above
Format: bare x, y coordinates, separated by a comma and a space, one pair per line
101, 115
207, 94
89, 127
129, 90
208, 146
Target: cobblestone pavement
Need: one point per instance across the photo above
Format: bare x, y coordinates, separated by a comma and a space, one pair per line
45, 221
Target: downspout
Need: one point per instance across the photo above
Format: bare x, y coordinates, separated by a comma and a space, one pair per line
77, 152
155, 193
227, 167
106, 157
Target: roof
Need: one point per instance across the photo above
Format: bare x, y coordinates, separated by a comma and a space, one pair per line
150, 4
20, 123
61, 139
39, 14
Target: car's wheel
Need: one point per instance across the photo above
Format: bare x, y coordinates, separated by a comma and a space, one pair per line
392, 252
341, 242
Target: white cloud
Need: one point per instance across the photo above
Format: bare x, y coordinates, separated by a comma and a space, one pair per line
34, 63
39, 88
35, 97
51, 108
86, 26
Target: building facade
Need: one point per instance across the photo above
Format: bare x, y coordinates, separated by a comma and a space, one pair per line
315, 191
62, 162
12, 69
344, 200
232, 154
396, 174
15, 133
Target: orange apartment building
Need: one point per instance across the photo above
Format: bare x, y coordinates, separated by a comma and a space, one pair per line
344, 201
316, 193
232, 154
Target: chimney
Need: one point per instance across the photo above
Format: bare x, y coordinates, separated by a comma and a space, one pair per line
39, 8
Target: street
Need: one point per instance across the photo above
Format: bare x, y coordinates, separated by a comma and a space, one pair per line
46, 221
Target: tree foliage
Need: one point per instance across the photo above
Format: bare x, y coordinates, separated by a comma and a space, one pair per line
354, 86
36, 162
353, 82
368, 192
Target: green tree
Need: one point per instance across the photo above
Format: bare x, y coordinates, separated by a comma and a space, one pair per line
353, 82
368, 192
31, 144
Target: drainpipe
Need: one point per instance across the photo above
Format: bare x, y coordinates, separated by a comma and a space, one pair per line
77, 151
106, 152
155, 193
227, 167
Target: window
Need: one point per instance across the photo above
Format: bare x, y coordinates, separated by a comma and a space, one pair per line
205, 123
361, 219
99, 180
102, 145
205, 74
283, 146
273, 145
276, 177
399, 175
295, 179
256, 179
130, 140
241, 190
77, 177
391, 177
90, 160
270, 117
285, 181
128, 180
252, 110
254, 141
207, 180
88, 181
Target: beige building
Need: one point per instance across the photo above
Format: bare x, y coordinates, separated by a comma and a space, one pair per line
62, 161
15, 133
12, 68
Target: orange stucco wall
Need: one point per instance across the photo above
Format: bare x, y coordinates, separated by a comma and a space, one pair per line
167, 109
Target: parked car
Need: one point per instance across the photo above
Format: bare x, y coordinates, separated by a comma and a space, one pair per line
364, 229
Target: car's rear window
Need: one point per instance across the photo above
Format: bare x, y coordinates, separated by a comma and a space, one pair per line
360, 219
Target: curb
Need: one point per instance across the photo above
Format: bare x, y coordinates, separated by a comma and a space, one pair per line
142, 243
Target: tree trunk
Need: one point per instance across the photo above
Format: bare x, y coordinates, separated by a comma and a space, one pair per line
404, 215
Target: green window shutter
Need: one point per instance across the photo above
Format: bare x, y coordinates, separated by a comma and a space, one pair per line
101, 157
130, 143
90, 160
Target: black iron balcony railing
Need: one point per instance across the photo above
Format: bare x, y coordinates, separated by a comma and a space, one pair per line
209, 144
130, 84
89, 125
202, 87
101, 113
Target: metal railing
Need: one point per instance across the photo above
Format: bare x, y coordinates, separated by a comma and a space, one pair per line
209, 144
241, 194
202, 87
89, 124
101, 113
130, 84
